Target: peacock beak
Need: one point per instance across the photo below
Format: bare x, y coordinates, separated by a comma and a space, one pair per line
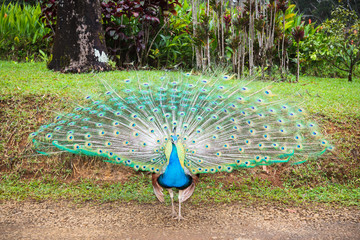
174, 138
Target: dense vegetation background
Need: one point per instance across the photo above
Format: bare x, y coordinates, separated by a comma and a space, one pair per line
276, 38
321, 10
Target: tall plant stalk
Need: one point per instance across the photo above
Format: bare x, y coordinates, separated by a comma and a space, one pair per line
298, 34
208, 38
283, 50
251, 38
298, 63
195, 24
222, 31
282, 5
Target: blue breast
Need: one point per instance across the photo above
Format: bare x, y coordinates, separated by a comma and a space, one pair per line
174, 175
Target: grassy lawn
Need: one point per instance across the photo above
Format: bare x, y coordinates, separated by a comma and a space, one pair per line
30, 95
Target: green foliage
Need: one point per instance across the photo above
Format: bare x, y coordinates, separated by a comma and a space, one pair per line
171, 42
321, 9
173, 45
21, 32
338, 42
131, 27
313, 37
227, 32
171, 50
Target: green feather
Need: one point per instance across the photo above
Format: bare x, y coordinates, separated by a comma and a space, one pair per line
223, 126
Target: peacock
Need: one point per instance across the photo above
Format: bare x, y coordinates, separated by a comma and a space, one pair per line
181, 126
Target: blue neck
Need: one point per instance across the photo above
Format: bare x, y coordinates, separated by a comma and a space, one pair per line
174, 161
174, 175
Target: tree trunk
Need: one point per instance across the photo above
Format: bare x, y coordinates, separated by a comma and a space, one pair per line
350, 73
79, 44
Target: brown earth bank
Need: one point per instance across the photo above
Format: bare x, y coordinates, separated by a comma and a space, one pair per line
66, 220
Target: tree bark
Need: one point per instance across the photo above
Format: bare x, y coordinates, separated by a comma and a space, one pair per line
79, 44
350, 72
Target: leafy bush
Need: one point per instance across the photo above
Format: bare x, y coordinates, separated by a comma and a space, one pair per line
130, 26
333, 48
312, 64
173, 46
21, 32
340, 41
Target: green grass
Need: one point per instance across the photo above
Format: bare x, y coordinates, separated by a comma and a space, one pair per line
334, 99
29, 95
50, 187
209, 190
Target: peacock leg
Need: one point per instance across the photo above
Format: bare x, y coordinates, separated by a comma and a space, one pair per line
180, 201
173, 213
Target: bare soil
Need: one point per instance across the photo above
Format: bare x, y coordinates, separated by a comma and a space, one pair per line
66, 220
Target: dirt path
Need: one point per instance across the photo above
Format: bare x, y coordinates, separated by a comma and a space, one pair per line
64, 220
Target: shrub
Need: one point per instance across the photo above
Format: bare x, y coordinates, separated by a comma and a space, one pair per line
341, 41
21, 32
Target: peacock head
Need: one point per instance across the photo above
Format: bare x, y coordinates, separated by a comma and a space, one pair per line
174, 139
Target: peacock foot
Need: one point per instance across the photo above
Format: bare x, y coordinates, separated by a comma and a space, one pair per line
180, 218
173, 214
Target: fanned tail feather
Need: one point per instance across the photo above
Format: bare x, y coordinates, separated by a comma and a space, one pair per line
224, 125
